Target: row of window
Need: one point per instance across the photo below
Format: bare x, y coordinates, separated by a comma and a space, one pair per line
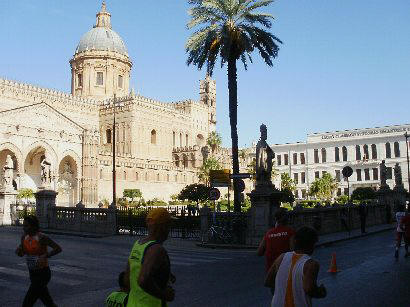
148, 177
99, 79
108, 137
366, 152
295, 159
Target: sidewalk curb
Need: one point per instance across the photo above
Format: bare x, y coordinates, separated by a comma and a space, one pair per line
237, 246
354, 237
75, 234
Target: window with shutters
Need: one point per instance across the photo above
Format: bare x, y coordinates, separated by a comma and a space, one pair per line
302, 158
388, 151
344, 153
316, 155
337, 157
100, 78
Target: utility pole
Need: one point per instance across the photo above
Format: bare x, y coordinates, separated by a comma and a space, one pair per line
406, 135
114, 186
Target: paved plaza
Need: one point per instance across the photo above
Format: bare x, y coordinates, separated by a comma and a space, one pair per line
87, 271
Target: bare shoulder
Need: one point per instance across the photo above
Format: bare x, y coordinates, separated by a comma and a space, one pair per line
311, 266
156, 250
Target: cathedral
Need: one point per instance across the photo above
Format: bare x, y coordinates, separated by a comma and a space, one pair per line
158, 146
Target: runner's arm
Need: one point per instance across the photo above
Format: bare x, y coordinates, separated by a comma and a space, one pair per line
20, 249
55, 248
261, 248
153, 261
310, 272
271, 275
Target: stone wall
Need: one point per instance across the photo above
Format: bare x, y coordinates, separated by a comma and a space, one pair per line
91, 220
330, 219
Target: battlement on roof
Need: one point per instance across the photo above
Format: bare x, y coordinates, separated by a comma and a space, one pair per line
36, 91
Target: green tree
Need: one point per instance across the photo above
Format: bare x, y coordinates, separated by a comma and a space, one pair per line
209, 164
287, 196
26, 194
287, 183
230, 29
132, 193
194, 192
363, 193
323, 188
242, 154
214, 141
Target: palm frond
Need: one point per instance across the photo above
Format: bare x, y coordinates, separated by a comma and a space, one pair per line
232, 31
262, 18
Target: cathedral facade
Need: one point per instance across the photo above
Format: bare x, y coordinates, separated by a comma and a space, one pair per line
158, 146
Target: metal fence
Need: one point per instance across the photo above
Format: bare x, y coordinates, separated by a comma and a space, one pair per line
184, 225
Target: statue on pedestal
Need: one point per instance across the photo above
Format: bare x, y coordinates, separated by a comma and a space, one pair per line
264, 157
46, 171
383, 175
398, 179
8, 174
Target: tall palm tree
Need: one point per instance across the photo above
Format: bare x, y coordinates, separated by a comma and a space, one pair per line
229, 29
214, 140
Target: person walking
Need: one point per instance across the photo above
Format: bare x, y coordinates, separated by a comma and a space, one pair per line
405, 225
293, 275
34, 245
148, 268
363, 210
119, 298
399, 231
276, 240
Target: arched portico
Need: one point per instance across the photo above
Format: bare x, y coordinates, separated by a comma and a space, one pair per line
8, 149
32, 168
68, 184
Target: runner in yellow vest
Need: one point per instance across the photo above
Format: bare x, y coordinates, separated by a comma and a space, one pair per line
119, 298
148, 269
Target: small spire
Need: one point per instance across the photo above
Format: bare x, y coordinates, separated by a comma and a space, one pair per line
103, 17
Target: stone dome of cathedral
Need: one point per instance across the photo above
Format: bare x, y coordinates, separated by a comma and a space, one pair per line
101, 37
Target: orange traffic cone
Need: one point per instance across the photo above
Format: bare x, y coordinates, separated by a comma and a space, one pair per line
333, 265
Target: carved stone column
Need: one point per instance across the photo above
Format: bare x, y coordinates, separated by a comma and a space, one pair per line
6, 199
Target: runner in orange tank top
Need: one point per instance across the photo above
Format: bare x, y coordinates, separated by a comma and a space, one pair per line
34, 246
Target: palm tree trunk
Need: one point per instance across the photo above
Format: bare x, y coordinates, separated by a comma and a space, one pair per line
233, 117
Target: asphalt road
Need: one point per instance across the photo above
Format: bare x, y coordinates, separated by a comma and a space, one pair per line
86, 272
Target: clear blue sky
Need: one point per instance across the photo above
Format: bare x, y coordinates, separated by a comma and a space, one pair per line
344, 64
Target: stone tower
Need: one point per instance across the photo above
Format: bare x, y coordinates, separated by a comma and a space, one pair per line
207, 93
100, 66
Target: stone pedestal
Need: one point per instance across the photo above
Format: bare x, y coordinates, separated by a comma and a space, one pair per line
392, 199
45, 199
265, 200
7, 197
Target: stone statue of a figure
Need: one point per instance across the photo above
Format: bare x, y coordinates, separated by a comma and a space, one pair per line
45, 170
8, 173
383, 174
398, 179
264, 157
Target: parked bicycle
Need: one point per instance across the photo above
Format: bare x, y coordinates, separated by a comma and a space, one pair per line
217, 234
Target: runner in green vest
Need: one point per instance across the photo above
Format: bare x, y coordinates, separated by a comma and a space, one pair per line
119, 298
148, 269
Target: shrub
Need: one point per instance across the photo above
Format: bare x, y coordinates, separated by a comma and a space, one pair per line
363, 193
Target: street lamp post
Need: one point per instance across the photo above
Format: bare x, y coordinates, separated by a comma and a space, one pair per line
114, 186
406, 135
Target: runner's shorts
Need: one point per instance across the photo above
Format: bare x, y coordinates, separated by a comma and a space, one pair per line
399, 236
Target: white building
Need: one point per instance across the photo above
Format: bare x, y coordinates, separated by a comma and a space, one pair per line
362, 149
